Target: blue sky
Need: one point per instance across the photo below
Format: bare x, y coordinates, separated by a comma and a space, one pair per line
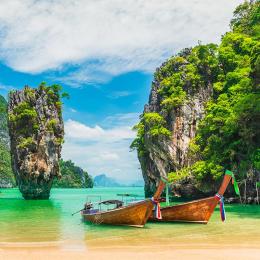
104, 54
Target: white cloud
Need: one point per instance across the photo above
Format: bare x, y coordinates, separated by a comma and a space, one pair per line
100, 150
129, 119
120, 94
105, 38
77, 130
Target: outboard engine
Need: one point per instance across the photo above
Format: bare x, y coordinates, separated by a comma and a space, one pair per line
87, 207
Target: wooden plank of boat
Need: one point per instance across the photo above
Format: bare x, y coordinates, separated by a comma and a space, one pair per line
197, 211
135, 215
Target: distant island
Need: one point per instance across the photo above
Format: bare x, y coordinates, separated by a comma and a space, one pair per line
72, 176
104, 181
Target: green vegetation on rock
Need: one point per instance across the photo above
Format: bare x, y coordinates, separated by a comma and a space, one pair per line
154, 126
24, 114
3, 119
24, 117
72, 176
228, 136
183, 74
6, 174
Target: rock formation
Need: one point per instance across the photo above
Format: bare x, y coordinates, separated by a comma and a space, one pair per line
165, 155
36, 132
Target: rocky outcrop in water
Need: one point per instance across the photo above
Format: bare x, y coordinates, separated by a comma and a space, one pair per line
36, 133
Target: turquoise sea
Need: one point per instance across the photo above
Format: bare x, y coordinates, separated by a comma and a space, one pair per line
50, 221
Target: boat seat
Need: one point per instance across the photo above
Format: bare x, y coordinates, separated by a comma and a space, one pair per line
90, 211
118, 203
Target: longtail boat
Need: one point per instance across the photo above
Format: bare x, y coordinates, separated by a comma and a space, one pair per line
135, 214
197, 211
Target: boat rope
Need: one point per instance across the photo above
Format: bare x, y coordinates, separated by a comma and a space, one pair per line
220, 198
157, 211
167, 184
234, 182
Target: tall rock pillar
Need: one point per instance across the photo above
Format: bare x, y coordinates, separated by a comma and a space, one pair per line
36, 134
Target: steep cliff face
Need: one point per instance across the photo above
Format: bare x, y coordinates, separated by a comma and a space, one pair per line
36, 133
6, 173
164, 155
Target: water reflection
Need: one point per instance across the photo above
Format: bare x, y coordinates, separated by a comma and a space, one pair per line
28, 220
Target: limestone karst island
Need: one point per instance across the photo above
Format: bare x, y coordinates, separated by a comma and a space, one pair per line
130, 130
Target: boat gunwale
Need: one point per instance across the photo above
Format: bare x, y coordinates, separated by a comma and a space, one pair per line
187, 203
179, 221
115, 209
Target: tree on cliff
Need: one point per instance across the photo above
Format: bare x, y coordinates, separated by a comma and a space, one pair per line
6, 173
209, 96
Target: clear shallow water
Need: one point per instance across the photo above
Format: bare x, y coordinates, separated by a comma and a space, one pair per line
50, 221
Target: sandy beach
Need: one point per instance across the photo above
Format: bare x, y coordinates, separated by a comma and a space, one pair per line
163, 252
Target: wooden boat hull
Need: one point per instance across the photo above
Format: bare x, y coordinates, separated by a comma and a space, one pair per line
135, 215
197, 211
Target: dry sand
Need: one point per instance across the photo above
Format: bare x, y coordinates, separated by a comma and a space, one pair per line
62, 251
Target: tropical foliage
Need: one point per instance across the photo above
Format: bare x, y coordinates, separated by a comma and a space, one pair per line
153, 124
72, 176
6, 174
228, 136
24, 118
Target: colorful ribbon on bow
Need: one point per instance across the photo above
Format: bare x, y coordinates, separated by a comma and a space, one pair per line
234, 182
157, 211
167, 183
221, 206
